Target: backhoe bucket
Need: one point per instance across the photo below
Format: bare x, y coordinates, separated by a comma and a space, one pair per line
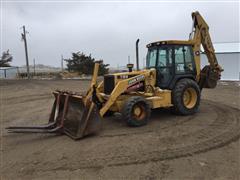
70, 114
209, 77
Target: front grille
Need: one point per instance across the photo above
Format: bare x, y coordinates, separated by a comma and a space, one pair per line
109, 84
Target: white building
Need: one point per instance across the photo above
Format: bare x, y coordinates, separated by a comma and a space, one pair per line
228, 56
8, 72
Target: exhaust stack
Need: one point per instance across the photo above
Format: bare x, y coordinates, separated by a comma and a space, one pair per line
137, 59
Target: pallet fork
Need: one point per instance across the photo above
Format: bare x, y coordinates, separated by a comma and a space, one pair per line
72, 114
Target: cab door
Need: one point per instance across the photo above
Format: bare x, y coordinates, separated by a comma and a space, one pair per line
164, 66
184, 60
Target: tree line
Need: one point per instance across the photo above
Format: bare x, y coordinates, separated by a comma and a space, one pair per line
84, 64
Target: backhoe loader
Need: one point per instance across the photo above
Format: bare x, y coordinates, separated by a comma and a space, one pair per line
172, 79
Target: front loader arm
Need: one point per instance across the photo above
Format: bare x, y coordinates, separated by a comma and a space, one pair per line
93, 82
121, 87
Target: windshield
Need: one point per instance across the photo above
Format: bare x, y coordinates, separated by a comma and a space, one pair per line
151, 58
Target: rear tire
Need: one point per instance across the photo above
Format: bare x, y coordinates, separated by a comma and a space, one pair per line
136, 111
186, 97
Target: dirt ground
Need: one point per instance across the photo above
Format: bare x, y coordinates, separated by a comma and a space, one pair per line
201, 146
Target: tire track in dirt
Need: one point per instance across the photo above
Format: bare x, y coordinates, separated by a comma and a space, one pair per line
223, 130
227, 134
216, 140
26, 98
136, 131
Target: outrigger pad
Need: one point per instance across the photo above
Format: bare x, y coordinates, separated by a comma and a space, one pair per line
80, 120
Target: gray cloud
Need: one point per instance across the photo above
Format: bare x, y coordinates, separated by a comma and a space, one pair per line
106, 30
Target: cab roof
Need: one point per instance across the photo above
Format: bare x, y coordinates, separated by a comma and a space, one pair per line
180, 42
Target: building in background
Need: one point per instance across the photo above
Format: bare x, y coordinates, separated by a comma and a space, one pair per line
9, 72
228, 56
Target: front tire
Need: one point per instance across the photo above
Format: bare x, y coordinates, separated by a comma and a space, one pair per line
136, 111
186, 97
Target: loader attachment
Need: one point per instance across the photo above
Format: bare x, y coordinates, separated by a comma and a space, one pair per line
71, 114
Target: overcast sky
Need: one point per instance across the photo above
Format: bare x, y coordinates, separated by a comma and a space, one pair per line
106, 30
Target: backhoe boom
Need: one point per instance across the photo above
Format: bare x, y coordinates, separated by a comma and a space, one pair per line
209, 75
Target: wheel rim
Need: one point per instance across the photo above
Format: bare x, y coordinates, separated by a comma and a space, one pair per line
139, 112
190, 98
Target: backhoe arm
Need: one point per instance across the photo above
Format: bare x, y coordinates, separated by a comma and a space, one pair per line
210, 74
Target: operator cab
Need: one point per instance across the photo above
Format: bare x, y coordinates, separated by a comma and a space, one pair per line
172, 62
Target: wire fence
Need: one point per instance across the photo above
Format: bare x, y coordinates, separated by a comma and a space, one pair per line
21, 73
9, 72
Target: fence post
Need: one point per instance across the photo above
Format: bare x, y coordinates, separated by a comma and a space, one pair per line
5, 73
18, 73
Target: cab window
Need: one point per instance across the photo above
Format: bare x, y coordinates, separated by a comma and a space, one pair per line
183, 59
164, 57
151, 58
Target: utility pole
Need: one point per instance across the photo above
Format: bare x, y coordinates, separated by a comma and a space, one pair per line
34, 66
26, 51
62, 62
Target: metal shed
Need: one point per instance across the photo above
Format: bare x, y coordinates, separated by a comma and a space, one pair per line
8, 72
228, 55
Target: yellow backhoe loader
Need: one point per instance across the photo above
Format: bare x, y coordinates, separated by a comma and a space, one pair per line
172, 79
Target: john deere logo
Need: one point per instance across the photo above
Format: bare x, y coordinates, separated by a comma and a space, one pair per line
136, 79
